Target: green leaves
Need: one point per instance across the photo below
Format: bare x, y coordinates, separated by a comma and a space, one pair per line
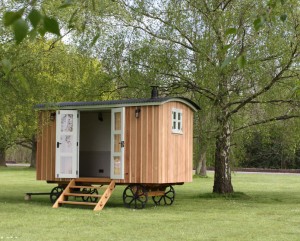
51, 25
10, 17
283, 17
6, 66
34, 17
20, 29
268, 14
258, 23
241, 61
20, 24
231, 31
67, 3
95, 39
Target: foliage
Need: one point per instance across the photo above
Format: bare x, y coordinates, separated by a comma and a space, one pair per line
221, 55
274, 147
43, 72
259, 209
234, 58
27, 20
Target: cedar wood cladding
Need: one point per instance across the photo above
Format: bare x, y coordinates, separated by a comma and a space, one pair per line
153, 154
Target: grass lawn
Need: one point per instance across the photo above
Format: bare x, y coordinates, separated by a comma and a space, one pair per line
264, 207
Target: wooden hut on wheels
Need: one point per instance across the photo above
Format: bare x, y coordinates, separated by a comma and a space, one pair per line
86, 147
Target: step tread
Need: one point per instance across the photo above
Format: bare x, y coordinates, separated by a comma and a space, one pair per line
78, 203
82, 194
89, 187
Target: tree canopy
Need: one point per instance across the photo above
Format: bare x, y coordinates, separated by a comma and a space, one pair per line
239, 60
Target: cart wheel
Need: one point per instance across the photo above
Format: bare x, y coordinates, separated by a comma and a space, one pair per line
55, 193
89, 191
167, 198
135, 196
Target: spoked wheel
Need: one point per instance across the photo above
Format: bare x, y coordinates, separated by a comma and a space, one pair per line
167, 198
89, 191
55, 193
135, 196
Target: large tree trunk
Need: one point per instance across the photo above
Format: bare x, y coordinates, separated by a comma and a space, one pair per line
33, 152
2, 157
222, 180
201, 168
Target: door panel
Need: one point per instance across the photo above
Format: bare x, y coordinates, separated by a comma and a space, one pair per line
67, 144
117, 143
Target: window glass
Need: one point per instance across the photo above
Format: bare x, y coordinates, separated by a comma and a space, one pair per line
177, 121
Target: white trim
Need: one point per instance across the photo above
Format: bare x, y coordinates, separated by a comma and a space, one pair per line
71, 137
177, 121
111, 106
117, 154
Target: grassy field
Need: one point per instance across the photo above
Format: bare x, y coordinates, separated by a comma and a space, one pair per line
264, 207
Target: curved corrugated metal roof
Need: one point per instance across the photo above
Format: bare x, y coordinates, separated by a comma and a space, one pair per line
115, 103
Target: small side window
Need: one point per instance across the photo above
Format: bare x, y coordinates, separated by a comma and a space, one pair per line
177, 121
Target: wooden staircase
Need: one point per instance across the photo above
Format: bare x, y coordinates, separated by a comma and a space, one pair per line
87, 191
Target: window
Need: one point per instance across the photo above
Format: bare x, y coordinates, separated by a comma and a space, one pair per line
176, 121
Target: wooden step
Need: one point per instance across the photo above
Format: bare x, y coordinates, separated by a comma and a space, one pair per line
69, 191
93, 180
78, 203
89, 187
82, 195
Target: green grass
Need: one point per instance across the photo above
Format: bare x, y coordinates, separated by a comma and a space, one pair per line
264, 207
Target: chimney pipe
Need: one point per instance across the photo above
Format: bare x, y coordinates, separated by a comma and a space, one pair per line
154, 92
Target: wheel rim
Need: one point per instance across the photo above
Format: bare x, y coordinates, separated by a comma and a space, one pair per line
135, 196
167, 198
89, 191
55, 193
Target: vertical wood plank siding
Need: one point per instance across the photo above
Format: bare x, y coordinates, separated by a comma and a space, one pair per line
45, 159
153, 154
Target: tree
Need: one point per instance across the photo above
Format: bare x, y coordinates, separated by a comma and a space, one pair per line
232, 55
43, 72
220, 51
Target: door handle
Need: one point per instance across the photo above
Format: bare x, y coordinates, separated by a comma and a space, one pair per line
57, 144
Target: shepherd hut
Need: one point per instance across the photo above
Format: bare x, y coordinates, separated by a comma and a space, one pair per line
85, 147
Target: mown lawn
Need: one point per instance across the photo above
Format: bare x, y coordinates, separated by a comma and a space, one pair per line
264, 207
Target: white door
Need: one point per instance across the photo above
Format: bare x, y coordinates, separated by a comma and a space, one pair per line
117, 143
67, 146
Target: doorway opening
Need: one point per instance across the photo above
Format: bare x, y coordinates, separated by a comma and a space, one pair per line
95, 143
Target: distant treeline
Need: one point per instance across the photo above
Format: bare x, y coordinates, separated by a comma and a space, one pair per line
270, 151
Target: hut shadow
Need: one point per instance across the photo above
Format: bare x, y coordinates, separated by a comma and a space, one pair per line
257, 197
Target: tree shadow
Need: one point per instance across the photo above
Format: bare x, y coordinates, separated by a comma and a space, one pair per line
266, 197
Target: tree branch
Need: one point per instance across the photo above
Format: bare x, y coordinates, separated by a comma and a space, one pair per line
292, 102
260, 122
274, 80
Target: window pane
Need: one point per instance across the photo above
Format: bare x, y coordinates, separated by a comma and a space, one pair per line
117, 141
67, 123
179, 126
66, 165
174, 115
174, 125
117, 121
66, 143
179, 116
117, 165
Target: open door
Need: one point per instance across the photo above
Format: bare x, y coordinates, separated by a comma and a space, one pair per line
66, 164
117, 143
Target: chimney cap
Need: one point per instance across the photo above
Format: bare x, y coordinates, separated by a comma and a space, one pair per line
154, 92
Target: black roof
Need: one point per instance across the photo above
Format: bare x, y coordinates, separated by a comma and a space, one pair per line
116, 103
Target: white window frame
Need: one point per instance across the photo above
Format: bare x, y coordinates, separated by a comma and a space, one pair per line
177, 121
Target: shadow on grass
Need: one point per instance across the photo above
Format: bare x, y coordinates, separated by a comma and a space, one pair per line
232, 196
258, 197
